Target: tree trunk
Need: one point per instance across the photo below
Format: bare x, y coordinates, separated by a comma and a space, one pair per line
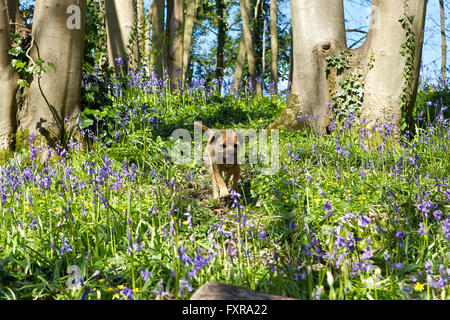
222, 291
52, 103
167, 37
120, 16
101, 40
239, 65
274, 45
384, 82
444, 42
141, 30
318, 32
291, 65
8, 82
263, 59
148, 23
247, 35
175, 52
13, 11
221, 29
157, 55
191, 12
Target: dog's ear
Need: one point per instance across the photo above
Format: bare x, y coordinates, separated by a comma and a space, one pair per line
214, 136
200, 126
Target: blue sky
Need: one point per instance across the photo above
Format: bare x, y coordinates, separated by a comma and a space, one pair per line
357, 15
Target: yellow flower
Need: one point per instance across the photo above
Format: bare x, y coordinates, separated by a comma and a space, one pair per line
418, 287
101, 280
120, 287
109, 289
116, 296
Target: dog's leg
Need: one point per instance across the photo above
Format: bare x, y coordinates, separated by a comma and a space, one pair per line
227, 176
223, 190
236, 174
213, 180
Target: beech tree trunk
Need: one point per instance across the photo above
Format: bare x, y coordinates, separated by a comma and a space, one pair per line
444, 42
247, 35
13, 11
52, 103
120, 16
148, 23
274, 45
191, 12
141, 30
318, 32
383, 84
221, 29
8, 82
175, 48
158, 33
240, 60
263, 59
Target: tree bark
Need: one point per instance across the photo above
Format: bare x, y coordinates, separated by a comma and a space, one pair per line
191, 12
148, 23
247, 35
141, 30
291, 65
167, 38
158, 32
175, 52
263, 59
318, 32
274, 45
221, 34
120, 16
8, 82
222, 291
52, 103
383, 85
13, 11
239, 65
444, 42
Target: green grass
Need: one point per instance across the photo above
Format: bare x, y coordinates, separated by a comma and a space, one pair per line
326, 225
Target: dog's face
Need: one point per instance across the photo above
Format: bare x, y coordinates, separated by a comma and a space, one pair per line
224, 147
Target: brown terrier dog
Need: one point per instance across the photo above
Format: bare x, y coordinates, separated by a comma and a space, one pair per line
222, 148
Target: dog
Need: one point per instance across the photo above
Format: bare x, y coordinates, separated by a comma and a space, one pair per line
222, 150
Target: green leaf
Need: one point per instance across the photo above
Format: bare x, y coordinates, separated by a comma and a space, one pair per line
18, 64
85, 121
15, 51
51, 65
23, 83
